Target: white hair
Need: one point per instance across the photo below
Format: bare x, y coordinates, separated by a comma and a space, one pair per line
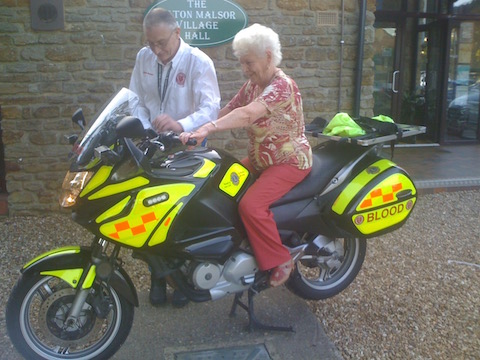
258, 39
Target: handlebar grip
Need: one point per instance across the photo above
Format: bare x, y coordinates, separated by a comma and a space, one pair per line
176, 139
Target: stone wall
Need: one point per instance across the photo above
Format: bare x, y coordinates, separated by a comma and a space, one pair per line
46, 75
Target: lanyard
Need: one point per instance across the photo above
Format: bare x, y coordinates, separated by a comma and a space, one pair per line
165, 83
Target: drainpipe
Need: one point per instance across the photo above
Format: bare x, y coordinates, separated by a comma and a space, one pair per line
342, 42
359, 67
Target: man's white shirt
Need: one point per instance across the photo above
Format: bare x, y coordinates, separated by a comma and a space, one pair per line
190, 95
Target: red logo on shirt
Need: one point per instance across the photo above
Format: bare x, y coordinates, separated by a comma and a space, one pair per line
181, 79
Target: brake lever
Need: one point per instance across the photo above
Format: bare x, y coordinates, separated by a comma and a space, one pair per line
158, 144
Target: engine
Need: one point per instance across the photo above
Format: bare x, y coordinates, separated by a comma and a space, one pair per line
236, 275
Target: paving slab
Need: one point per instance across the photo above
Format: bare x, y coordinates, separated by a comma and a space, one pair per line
203, 331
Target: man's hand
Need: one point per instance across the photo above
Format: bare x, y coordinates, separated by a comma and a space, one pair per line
165, 122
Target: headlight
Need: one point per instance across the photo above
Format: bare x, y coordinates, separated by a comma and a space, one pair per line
72, 186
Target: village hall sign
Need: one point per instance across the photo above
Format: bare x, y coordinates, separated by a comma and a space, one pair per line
206, 23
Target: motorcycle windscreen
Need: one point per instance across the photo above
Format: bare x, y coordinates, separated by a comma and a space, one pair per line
102, 131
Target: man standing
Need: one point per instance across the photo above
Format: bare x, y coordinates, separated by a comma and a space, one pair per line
176, 83
178, 91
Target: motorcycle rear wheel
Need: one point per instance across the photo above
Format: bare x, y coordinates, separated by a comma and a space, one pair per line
36, 321
324, 275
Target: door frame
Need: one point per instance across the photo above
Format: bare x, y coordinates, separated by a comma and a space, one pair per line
398, 62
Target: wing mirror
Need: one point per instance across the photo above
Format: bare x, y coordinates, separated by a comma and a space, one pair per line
132, 127
79, 119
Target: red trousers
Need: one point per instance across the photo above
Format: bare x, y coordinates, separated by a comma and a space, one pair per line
254, 208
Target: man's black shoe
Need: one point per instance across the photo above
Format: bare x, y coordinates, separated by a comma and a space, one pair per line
179, 299
158, 292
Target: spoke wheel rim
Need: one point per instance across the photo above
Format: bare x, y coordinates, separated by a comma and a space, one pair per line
329, 270
34, 319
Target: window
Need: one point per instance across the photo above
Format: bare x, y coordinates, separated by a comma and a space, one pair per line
466, 7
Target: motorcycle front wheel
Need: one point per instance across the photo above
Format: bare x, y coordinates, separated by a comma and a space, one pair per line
37, 323
325, 274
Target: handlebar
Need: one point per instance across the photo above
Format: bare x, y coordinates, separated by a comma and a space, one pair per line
172, 138
191, 142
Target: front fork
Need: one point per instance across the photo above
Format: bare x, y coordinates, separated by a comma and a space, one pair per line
77, 306
101, 266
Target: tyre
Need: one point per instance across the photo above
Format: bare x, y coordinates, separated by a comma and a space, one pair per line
36, 318
330, 271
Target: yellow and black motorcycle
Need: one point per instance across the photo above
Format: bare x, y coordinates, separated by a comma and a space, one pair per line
176, 209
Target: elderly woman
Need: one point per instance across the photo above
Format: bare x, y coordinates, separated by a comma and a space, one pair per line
269, 106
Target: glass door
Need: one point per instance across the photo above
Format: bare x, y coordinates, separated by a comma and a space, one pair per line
386, 87
407, 62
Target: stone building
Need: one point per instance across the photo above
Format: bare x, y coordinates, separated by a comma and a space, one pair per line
417, 61
47, 74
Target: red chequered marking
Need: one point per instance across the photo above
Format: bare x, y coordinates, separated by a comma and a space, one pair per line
149, 217
397, 187
375, 193
388, 197
385, 197
136, 230
122, 226
366, 203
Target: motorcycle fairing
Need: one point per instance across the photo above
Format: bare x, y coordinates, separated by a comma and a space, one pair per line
124, 186
102, 175
114, 210
205, 170
69, 264
70, 276
234, 179
73, 276
152, 213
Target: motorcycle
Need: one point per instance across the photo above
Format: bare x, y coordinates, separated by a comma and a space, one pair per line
175, 208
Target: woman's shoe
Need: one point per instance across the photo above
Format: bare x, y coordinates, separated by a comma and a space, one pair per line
281, 273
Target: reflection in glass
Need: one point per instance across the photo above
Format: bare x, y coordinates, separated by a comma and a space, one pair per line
388, 5
463, 82
383, 60
466, 7
423, 6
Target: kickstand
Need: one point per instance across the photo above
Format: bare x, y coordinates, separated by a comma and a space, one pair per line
253, 323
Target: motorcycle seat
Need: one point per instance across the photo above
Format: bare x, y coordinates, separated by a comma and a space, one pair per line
328, 159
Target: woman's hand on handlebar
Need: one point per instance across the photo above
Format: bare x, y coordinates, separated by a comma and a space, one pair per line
199, 135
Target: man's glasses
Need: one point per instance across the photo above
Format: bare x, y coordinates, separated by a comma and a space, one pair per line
160, 44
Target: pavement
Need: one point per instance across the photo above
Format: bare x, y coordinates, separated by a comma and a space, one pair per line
437, 169
202, 331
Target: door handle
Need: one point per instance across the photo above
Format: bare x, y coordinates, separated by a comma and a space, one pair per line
394, 82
